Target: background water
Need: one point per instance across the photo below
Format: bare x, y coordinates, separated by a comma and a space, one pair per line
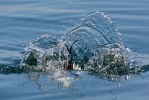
24, 20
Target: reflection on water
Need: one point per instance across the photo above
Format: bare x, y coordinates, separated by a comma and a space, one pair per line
66, 84
70, 85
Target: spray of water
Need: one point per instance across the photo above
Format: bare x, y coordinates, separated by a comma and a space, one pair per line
99, 49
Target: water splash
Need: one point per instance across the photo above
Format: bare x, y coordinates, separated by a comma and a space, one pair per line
98, 49
42, 53
93, 32
99, 44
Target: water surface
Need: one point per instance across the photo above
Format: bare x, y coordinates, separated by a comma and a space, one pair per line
24, 21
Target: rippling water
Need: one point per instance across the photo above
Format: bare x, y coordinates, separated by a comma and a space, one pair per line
26, 22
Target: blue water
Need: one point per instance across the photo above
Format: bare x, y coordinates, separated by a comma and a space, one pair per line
23, 21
